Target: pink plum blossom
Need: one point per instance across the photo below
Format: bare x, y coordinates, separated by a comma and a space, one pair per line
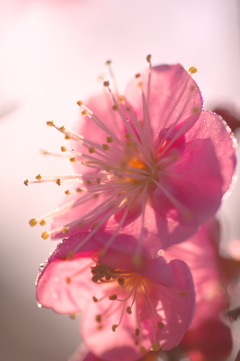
150, 164
208, 339
131, 304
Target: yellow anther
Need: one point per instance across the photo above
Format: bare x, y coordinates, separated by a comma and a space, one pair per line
62, 128
42, 222
95, 299
68, 280
192, 70
38, 177
109, 139
79, 102
98, 318
115, 107
65, 230
73, 316
63, 149
88, 182
148, 58
26, 182
127, 135
58, 181
72, 159
156, 346
67, 192
137, 75
121, 281
108, 62
128, 310
142, 349
105, 147
67, 137
33, 222
45, 235
106, 83
137, 332
78, 190
84, 112
50, 123
98, 180
114, 327
91, 150
160, 325
112, 297
121, 99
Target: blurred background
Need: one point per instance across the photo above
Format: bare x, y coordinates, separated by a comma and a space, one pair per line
51, 54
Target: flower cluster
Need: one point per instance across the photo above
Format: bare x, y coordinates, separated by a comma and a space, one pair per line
137, 256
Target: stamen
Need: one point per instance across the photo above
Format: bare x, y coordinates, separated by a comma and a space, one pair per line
121, 281
114, 327
156, 346
112, 297
45, 235
160, 325
98, 318
128, 310
137, 332
192, 70
33, 222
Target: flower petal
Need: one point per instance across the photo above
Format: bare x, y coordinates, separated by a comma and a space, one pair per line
120, 344
65, 284
101, 105
178, 305
211, 126
189, 184
174, 97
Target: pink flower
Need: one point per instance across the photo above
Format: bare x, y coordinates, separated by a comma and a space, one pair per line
132, 305
208, 339
151, 163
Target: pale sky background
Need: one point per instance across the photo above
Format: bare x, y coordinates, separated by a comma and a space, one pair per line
51, 53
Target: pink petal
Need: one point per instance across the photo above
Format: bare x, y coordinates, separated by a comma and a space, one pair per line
158, 232
211, 126
178, 305
174, 96
106, 344
191, 187
74, 213
65, 284
156, 270
101, 104
200, 252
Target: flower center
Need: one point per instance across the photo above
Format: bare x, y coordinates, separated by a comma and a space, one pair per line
129, 293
